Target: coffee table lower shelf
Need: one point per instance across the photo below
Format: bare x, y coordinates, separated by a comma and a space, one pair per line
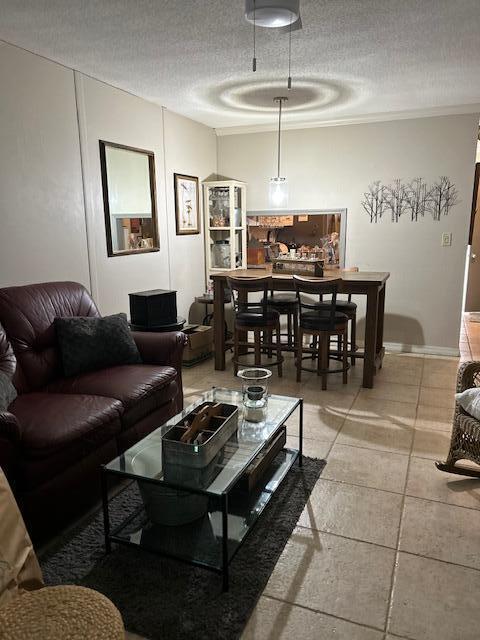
212, 541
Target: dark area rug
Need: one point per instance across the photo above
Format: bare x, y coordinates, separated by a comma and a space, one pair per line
166, 599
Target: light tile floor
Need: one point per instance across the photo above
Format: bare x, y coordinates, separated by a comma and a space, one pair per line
387, 546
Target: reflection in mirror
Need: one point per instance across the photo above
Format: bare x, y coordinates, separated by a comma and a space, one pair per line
128, 179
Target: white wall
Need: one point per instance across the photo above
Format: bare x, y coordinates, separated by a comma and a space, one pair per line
190, 149
333, 166
42, 223
51, 214
116, 116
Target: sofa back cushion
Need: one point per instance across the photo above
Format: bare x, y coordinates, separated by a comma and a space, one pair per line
27, 315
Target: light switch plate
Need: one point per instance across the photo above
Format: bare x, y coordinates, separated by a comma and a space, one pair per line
446, 239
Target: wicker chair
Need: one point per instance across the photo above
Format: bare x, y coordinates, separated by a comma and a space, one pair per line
465, 442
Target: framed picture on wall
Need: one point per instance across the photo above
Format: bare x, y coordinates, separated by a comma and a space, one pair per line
187, 204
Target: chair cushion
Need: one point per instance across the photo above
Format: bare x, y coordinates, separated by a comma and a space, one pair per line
256, 318
341, 305
141, 388
321, 320
283, 301
469, 400
59, 430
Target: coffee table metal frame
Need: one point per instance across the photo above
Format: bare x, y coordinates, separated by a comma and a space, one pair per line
112, 534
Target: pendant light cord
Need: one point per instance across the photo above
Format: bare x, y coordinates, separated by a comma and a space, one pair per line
289, 81
254, 62
279, 132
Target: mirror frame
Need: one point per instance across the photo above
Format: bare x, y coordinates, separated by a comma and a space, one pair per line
106, 203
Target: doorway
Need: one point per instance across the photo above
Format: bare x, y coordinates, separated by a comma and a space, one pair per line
470, 330
472, 296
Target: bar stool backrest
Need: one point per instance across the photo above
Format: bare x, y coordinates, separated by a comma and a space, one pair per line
324, 287
242, 287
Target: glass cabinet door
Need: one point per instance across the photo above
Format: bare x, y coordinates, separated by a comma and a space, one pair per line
219, 207
237, 207
225, 226
220, 251
238, 245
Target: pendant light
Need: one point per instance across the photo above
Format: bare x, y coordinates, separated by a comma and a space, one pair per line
278, 191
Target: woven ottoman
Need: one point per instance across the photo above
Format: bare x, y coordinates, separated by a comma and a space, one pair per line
61, 613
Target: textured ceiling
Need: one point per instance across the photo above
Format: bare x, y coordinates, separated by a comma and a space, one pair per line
352, 59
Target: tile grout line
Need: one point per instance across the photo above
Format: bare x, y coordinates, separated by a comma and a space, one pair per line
323, 613
397, 493
384, 546
388, 617
343, 424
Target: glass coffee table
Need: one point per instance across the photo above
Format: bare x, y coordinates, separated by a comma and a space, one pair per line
228, 510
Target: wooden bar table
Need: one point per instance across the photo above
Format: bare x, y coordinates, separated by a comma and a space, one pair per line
368, 283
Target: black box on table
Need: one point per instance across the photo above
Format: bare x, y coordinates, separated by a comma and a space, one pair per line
153, 308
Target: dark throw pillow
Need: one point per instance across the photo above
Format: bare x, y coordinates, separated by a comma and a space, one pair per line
88, 344
8, 393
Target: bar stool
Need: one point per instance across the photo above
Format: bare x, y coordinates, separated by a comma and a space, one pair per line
349, 308
257, 317
286, 304
321, 322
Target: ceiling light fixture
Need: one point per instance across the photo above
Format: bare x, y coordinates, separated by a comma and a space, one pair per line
272, 13
278, 191
283, 15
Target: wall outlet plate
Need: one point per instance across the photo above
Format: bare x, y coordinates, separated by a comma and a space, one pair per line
446, 239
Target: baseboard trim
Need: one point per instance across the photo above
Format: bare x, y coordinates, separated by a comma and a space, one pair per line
425, 349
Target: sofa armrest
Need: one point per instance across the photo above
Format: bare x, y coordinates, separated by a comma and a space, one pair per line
165, 349
10, 434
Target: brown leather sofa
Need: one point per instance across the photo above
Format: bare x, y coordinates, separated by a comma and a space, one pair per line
58, 431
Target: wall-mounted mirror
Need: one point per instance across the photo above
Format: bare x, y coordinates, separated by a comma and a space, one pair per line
129, 199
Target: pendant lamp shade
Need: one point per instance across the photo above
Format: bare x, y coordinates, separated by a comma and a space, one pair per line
278, 193
278, 188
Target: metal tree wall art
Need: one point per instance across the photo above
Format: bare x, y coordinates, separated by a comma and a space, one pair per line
396, 199
442, 197
414, 198
374, 202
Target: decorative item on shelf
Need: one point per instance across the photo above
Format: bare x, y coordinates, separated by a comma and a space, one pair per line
261, 463
293, 265
197, 438
221, 254
187, 204
255, 393
218, 220
278, 191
